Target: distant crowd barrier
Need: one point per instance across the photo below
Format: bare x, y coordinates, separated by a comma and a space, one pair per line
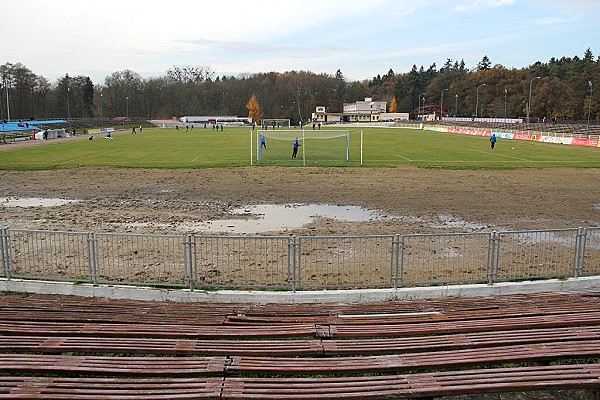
299, 262
529, 136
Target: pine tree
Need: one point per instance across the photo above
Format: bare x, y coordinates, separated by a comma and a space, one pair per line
254, 110
484, 64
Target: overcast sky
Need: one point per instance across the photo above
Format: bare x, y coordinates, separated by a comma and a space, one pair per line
362, 38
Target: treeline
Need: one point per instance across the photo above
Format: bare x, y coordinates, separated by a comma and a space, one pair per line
562, 91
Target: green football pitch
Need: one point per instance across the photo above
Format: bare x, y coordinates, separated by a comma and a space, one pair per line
382, 147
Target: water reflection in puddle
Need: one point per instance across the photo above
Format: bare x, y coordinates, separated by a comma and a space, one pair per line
33, 202
274, 217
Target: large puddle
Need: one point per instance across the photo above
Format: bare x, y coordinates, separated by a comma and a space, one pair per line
283, 217
33, 202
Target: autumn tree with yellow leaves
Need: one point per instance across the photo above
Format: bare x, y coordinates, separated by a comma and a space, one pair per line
254, 110
394, 105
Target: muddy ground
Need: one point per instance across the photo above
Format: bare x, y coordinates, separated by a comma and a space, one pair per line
412, 200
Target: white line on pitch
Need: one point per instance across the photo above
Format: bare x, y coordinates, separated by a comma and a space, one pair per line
501, 155
195, 159
407, 159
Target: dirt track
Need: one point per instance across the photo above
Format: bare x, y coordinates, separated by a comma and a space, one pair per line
415, 200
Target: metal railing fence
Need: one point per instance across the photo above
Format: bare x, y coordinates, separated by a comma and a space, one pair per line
299, 262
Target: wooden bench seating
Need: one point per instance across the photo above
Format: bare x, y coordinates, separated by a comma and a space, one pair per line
65, 347
421, 385
292, 347
99, 388
28, 328
113, 366
546, 352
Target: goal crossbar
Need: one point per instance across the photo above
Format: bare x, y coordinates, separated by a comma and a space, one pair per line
291, 134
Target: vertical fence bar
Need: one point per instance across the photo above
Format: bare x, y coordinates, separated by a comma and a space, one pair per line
579, 252
395, 260
189, 246
292, 262
402, 260
493, 254
5, 253
92, 260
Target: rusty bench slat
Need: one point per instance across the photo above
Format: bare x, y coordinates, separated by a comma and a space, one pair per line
114, 366
161, 346
376, 317
457, 341
110, 388
416, 385
486, 325
413, 361
28, 328
104, 317
310, 347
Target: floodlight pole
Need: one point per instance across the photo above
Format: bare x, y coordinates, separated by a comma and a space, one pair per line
456, 106
505, 94
587, 132
529, 100
127, 107
7, 102
477, 98
101, 119
422, 105
442, 104
68, 103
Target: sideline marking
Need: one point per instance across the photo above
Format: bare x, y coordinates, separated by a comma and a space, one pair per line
407, 159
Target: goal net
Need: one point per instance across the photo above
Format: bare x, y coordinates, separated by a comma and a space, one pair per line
315, 147
275, 123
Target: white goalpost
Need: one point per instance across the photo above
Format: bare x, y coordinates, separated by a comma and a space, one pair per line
275, 123
315, 147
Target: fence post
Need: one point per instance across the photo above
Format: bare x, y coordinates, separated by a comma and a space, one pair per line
580, 242
293, 263
395, 260
189, 247
5, 253
493, 255
92, 247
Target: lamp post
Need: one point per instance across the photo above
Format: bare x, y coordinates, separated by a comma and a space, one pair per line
127, 107
456, 106
7, 102
477, 98
68, 103
529, 100
589, 108
442, 104
421, 110
101, 119
505, 94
